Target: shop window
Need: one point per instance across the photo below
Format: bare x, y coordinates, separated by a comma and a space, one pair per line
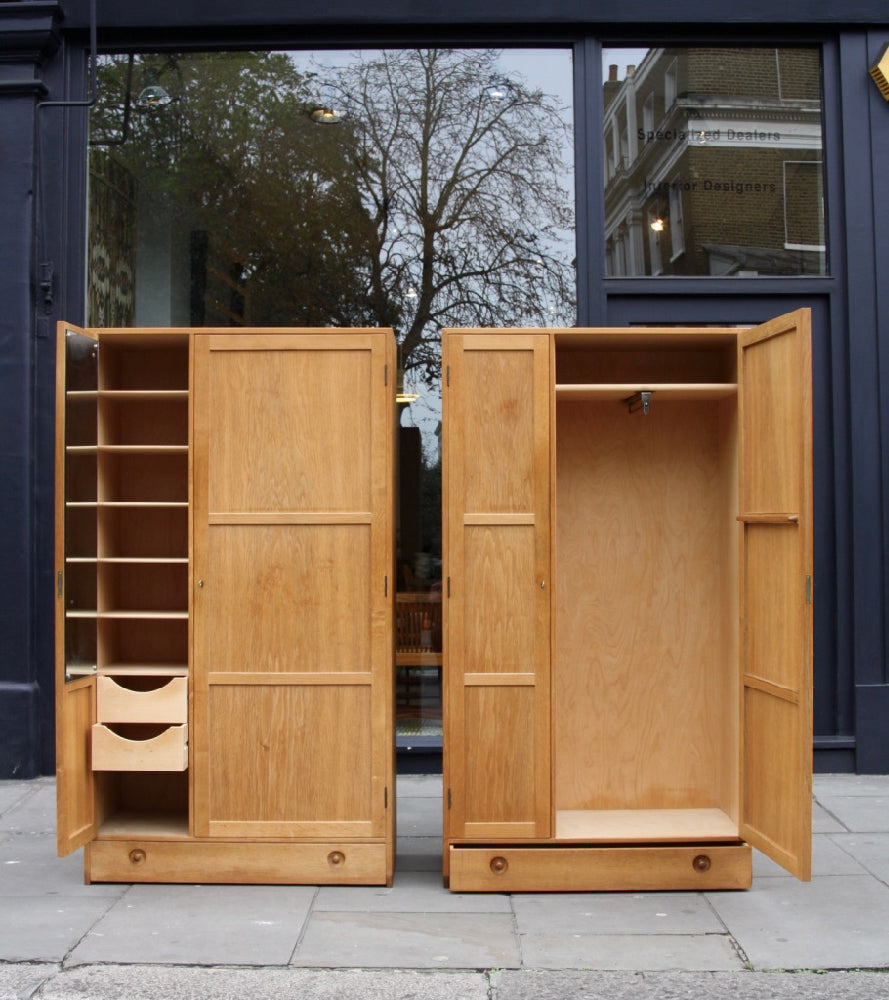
295, 189
733, 169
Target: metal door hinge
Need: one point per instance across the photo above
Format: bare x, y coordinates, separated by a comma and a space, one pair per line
808, 588
385, 586
385, 374
60, 584
449, 586
449, 798
448, 375
386, 797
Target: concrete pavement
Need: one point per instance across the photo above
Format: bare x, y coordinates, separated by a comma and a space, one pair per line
827, 938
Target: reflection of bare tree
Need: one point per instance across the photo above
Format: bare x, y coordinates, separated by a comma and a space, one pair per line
463, 175
441, 198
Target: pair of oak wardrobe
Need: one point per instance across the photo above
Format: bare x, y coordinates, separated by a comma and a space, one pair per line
627, 605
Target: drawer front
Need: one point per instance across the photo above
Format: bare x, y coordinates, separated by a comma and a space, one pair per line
168, 703
139, 860
600, 869
168, 751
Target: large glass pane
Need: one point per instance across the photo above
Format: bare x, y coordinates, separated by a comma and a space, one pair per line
408, 188
713, 162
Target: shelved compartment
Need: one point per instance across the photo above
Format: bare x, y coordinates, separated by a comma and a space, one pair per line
80, 476
660, 356
81, 654
144, 804
143, 645
143, 361
151, 587
81, 588
143, 531
147, 474
147, 417
81, 427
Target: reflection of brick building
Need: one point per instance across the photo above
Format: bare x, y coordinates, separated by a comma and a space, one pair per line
713, 163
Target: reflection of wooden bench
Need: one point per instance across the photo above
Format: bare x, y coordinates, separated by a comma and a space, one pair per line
417, 639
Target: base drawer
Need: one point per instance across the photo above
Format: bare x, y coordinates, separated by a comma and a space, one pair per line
600, 869
167, 751
141, 860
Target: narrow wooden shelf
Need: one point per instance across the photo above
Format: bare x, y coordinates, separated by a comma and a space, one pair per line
662, 826
120, 504
144, 560
143, 449
609, 391
167, 615
161, 395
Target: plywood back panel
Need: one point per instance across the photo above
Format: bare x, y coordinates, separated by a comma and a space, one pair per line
643, 665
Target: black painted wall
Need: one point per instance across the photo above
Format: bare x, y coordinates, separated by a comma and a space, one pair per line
42, 207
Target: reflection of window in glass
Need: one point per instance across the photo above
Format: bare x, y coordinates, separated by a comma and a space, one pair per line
670, 84
803, 227
655, 228
729, 147
677, 224
648, 113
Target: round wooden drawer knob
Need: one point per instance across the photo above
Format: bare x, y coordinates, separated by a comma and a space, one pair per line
336, 858
137, 856
701, 863
499, 865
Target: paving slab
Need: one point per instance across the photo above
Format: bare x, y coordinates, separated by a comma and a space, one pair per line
34, 813
410, 941
828, 923
859, 813
424, 785
828, 858
418, 854
199, 925
824, 822
850, 784
411, 892
141, 982
12, 792
630, 952
744, 985
29, 867
615, 913
870, 850
46, 928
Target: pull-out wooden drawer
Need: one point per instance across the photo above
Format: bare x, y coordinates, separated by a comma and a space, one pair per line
166, 751
168, 703
146, 860
648, 868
